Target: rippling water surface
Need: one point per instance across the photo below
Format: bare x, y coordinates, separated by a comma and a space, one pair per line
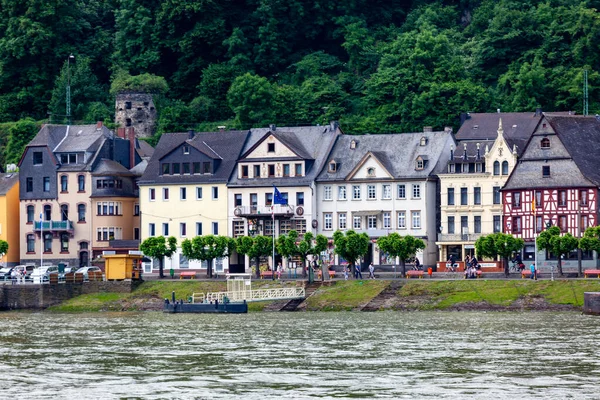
300, 355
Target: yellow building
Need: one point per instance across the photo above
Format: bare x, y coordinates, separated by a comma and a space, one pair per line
9, 217
183, 192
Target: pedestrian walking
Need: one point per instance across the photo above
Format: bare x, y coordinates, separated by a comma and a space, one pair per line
533, 271
279, 267
371, 271
357, 272
346, 273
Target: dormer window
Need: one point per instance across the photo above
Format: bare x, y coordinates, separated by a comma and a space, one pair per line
423, 141
545, 143
371, 171
420, 164
271, 147
546, 171
332, 166
353, 144
186, 149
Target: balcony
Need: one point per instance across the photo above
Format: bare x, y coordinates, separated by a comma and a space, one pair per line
255, 211
457, 237
56, 226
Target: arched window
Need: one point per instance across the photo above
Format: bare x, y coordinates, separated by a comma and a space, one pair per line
81, 213
64, 184
504, 167
47, 212
545, 143
30, 214
496, 168
64, 212
81, 183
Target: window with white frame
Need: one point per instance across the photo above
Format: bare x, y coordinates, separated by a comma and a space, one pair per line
165, 229
372, 222
401, 219
416, 219
198, 193
387, 220
328, 221
342, 192
386, 192
198, 228
356, 192
183, 193
215, 228
356, 222
215, 192
151, 229
401, 191
371, 193
152, 194
165, 193
183, 229
327, 192
416, 191
342, 221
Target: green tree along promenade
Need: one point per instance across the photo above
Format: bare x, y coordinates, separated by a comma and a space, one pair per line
376, 66
159, 247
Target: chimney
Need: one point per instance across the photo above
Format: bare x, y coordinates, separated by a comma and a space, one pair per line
448, 129
121, 133
427, 129
191, 134
498, 110
538, 112
465, 157
272, 127
463, 117
130, 135
221, 128
99, 125
451, 152
478, 151
333, 126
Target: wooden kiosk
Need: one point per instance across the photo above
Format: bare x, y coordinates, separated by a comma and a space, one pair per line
123, 266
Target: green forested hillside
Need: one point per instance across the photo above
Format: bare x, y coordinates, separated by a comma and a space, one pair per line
375, 65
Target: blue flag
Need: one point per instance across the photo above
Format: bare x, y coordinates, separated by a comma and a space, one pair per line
277, 197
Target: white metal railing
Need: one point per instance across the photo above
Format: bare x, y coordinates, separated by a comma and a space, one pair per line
251, 295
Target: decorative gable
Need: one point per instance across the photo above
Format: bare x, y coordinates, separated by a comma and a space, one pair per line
370, 167
270, 147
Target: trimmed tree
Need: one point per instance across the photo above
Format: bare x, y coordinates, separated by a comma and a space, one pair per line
286, 244
552, 241
159, 247
498, 245
3, 248
310, 245
255, 247
591, 241
402, 247
350, 246
207, 248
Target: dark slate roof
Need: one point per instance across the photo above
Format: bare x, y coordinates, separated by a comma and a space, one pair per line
528, 175
397, 152
518, 127
143, 149
309, 142
459, 151
139, 169
224, 146
581, 137
110, 168
7, 181
70, 138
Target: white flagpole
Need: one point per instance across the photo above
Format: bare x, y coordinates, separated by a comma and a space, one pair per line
41, 239
273, 229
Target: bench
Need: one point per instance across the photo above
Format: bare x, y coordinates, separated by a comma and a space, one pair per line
414, 273
526, 273
591, 272
184, 274
266, 274
331, 274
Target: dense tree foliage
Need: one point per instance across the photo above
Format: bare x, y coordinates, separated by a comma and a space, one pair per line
375, 65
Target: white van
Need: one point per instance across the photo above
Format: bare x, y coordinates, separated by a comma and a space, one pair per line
42, 274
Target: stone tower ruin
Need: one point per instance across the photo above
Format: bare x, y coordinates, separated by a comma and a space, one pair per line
136, 109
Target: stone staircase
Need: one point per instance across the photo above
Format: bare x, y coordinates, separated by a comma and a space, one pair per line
383, 297
293, 305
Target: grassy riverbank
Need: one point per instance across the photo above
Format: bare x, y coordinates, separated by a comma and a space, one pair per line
378, 294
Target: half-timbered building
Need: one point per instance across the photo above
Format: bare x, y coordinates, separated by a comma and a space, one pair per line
556, 182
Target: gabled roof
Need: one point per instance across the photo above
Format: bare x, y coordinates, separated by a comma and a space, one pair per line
518, 127
379, 156
224, 146
143, 149
459, 152
287, 138
581, 137
311, 143
397, 152
7, 181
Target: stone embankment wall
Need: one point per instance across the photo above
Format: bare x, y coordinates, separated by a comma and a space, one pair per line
39, 297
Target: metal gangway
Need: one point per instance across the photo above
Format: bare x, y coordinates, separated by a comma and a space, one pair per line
239, 288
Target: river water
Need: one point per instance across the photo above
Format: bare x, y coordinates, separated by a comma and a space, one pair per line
437, 355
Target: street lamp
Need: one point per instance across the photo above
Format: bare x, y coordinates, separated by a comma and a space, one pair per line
71, 56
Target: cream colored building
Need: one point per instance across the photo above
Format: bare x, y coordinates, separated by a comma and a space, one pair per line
471, 203
183, 192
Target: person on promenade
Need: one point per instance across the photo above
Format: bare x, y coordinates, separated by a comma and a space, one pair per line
357, 272
451, 264
345, 273
371, 271
13, 276
417, 264
467, 261
533, 271
279, 267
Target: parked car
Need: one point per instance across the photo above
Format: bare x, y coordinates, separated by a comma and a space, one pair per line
42, 274
5, 273
28, 270
67, 270
86, 270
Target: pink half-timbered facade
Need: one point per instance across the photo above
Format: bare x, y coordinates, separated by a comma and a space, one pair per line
556, 182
